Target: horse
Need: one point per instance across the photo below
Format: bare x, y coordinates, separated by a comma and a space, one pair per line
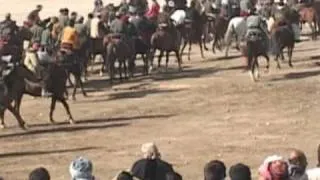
309, 15
219, 29
166, 39
22, 81
118, 49
192, 30
283, 37
237, 27
6, 98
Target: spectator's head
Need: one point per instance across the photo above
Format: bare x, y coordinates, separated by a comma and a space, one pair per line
124, 176
240, 172
215, 170
39, 7
61, 10
7, 16
90, 15
173, 176
298, 161
39, 174
80, 20
81, 169
150, 151
66, 11
274, 167
74, 15
71, 22
54, 20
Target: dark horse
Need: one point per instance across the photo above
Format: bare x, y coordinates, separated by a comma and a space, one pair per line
193, 30
6, 98
118, 49
166, 39
22, 81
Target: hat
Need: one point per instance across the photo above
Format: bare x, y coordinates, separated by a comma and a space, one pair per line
171, 3
81, 169
240, 172
150, 151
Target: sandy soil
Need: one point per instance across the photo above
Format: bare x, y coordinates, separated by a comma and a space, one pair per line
210, 110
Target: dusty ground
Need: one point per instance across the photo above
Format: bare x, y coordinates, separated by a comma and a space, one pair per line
211, 110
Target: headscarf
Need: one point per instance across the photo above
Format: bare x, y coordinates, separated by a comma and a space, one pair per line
81, 169
273, 166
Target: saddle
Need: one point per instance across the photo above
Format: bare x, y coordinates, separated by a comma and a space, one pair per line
66, 48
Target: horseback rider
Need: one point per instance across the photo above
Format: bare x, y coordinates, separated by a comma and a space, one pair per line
8, 30
69, 41
257, 33
36, 31
98, 5
33, 16
246, 6
64, 17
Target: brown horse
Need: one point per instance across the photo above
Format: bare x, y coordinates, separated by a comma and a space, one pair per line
166, 40
310, 16
22, 81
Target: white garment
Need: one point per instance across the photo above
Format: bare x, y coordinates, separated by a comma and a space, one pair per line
43, 56
178, 17
94, 28
313, 174
224, 2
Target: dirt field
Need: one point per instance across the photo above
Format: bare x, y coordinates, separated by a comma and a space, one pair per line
211, 110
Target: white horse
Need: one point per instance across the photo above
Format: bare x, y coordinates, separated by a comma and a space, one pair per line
236, 27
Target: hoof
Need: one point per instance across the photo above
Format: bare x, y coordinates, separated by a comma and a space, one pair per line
74, 98
101, 74
290, 65
52, 121
23, 126
71, 121
2, 126
252, 77
85, 94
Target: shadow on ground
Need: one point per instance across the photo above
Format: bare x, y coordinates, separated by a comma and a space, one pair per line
35, 153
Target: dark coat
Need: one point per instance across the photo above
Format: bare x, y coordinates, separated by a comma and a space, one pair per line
151, 169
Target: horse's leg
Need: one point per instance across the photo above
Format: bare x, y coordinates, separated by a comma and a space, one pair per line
125, 69
313, 30
167, 59
69, 79
277, 60
2, 123
159, 58
67, 108
17, 103
190, 48
120, 68
81, 86
268, 62
201, 50
179, 59
52, 107
185, 42
290, 51
151, 58
145, 63
214, 44
75, 87
17, 115
281, 55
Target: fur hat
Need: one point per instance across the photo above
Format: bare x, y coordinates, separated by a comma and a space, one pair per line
81, 169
